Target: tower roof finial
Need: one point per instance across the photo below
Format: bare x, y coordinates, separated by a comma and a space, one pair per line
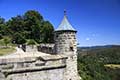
64, 12
65, 25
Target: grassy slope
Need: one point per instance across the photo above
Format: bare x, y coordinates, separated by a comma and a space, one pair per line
113, 66
4, 51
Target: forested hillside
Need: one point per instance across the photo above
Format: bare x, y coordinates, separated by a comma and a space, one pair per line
98, 63
30, 26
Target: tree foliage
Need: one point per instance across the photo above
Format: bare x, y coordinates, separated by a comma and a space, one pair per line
2, 27
30, 25
31, 42
6, 41
47, 32
18, 38
91, 63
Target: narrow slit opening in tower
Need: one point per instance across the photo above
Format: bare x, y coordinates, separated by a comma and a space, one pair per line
71, 49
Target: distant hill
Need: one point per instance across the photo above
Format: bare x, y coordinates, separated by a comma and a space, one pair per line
97, 47
110, 53
92, 61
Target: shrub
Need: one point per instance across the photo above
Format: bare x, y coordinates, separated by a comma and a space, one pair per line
31, 42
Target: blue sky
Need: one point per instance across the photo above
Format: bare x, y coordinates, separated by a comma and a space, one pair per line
97, 21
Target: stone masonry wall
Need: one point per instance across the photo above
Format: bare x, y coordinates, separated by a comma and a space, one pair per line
33, 68
71, 68
28, 48
52, 74
65, 42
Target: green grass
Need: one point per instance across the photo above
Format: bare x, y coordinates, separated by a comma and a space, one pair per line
5, 51
113, 66
1, 42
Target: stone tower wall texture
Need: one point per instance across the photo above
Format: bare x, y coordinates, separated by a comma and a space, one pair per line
65, 41
66, 44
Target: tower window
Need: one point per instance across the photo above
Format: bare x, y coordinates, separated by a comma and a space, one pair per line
71, 46
56, 36
71, 49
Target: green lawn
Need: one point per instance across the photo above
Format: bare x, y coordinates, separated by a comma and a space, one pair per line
4, 51
113, 66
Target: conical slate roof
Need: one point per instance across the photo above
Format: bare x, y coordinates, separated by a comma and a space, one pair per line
65, 25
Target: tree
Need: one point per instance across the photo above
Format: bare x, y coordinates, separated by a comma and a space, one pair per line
16, 24
34, 16
16, 29
18, 39
1, 36
2, 27
33, 23
31, 42
47, 32
2, 20
6, 40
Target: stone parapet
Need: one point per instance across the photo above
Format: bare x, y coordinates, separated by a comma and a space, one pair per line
11, 66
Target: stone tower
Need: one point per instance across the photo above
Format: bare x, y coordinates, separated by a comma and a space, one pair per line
66, 44
65, 37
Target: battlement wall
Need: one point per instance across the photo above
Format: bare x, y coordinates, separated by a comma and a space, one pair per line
46, 48
33, 68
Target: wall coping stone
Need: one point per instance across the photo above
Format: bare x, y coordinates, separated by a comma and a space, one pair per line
32, 69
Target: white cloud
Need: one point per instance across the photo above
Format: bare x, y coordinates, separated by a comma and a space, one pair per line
87, 39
